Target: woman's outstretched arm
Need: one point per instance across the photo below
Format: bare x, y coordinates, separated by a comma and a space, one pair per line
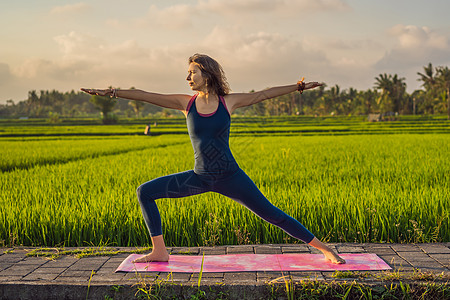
174, 101
236, 100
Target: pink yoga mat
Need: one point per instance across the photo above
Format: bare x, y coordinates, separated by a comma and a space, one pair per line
255, 262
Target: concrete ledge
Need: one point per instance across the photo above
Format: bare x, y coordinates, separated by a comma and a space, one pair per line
211, 290
164, 291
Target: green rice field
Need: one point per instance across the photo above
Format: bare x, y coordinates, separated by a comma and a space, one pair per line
347, 180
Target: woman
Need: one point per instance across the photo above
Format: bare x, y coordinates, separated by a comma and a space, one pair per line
208, 120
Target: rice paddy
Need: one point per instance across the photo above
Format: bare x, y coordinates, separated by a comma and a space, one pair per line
345, 179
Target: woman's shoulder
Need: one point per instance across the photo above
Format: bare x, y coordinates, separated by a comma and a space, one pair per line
189, 101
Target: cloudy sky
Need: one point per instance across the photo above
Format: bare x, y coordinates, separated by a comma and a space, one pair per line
65, 45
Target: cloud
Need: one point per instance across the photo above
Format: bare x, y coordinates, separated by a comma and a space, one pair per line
172, 17
263, 59
80, 46
200, 13
346, 51
358, 44
69, 8
31, 68
290, 7
415, 47
251, 61
87, 60
5, 74
58, 70
221, 6
80, 53
95, 51
410, 37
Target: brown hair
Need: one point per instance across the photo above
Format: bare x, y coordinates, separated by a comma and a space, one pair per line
212, 72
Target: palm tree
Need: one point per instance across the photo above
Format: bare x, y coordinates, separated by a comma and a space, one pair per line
399, 91
417, 97
350, 103
428, 77
370, 100
443, 80
384, 83
334, 97
392, 91
33, 102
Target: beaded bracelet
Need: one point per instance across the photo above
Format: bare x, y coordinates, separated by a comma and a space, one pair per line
301, 85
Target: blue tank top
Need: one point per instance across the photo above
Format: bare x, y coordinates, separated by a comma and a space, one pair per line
209, 137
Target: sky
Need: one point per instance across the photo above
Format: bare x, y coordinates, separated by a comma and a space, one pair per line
66, 45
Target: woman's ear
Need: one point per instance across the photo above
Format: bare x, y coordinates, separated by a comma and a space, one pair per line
207, 79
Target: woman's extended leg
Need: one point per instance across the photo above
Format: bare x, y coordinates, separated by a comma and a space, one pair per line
171, 186
242, 189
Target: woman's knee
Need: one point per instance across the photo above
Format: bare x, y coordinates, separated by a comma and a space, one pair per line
144, 192
139, 192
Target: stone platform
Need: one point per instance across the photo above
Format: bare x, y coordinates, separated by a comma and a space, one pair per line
69, 277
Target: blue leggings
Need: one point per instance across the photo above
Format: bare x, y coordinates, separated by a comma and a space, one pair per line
237, 186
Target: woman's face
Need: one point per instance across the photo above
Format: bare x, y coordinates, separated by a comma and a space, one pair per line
195, 78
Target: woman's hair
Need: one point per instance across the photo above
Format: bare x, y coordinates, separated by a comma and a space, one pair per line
212, 72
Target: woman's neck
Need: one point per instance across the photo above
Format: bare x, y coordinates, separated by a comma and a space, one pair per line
207, 97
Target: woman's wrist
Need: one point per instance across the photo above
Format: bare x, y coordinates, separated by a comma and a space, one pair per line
301, 85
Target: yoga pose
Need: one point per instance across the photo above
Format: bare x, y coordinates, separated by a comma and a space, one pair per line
208, 120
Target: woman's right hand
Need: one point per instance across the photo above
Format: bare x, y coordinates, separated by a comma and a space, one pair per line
97, 92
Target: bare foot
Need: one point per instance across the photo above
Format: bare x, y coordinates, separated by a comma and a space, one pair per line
327, 251
333, 257
153, 256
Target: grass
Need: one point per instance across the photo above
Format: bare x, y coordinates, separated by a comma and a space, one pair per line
57, 252
26, 154
355, 187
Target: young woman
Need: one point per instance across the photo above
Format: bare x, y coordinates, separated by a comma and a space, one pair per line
208, 120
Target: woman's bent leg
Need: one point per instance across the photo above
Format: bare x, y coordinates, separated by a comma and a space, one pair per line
171, 186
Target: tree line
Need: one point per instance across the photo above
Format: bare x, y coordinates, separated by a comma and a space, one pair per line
388, 96
54, 104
